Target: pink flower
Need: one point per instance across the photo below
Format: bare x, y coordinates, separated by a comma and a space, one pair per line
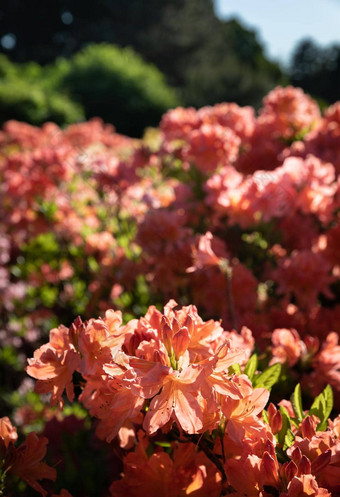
26, 463
305, 274
305, 485
54, 364
242, 414
178, 123
287, 346
289, 111
211, 146
186, 472
229, 115
205, 255
8, 433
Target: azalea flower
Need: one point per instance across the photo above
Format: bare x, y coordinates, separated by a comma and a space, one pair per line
24, 461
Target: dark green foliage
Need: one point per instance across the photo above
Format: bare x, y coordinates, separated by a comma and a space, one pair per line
7, 68
27, 93
317, 70
102, 80
206, 59
86, 465
230, 67
20, 101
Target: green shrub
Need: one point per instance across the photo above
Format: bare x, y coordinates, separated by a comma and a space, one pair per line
119, 86
7, 68
23, 101
102, 80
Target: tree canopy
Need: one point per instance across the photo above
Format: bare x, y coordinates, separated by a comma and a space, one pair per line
208, 60
317, 70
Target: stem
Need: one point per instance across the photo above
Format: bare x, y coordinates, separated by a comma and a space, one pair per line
2, 478
227, 271
222, 448
202, 443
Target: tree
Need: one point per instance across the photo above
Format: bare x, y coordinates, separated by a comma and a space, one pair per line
206, 59
317, 70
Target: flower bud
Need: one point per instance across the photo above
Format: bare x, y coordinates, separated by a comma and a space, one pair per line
180, 342
308, 428
319, 464
304, 466
269, 473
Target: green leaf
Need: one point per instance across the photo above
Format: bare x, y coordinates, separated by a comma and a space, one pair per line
265, 416
163, 444
234, 369
322, 407
93, 264
251, 367
318, 407
48, 208
281, 455
286, 425
329, 399
295, 422
288, 440
255, 238
48, 295
322, 426
296, 400
269, 377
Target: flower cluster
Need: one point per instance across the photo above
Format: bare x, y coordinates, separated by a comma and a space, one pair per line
233, 215
175, 378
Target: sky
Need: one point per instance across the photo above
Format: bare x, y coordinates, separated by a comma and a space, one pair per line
280, 24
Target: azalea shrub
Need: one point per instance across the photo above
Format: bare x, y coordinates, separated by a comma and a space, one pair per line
169, 307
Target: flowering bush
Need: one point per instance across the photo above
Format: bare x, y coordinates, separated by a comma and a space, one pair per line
209, 249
